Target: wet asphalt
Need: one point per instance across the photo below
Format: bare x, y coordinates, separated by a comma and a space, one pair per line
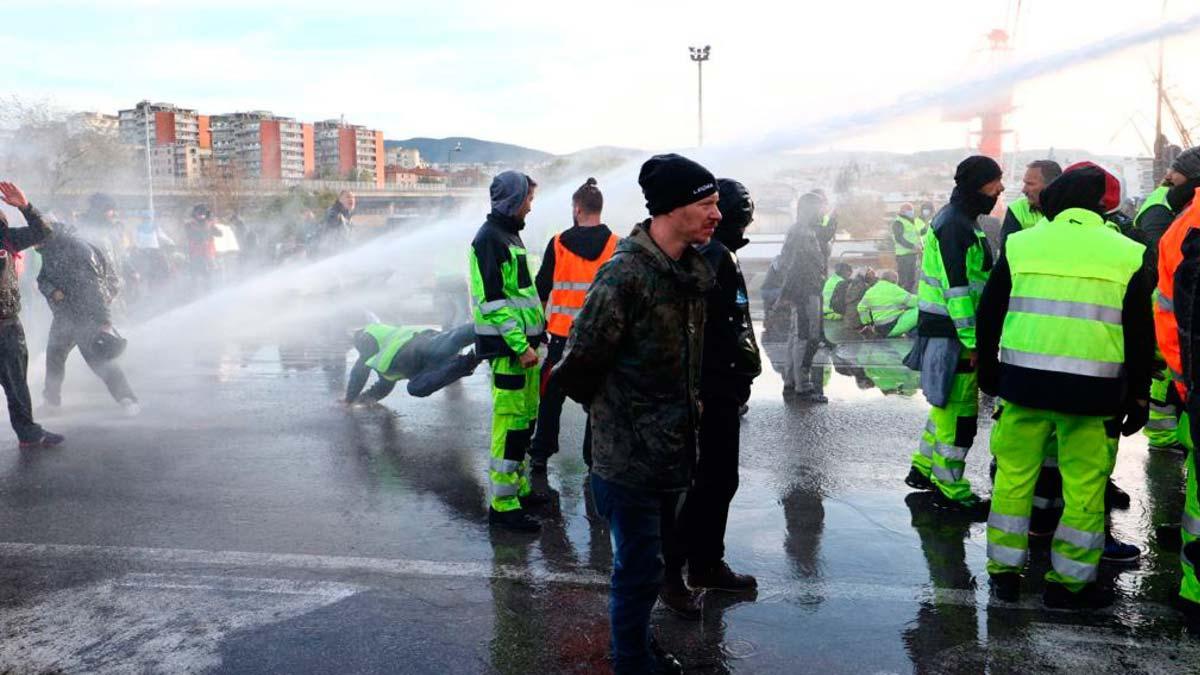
246, 523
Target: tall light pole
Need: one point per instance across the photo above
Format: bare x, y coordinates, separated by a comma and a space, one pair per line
700, 55
457, 148
149, 171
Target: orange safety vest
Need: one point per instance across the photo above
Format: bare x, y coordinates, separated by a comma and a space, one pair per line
572, 278
1170, 254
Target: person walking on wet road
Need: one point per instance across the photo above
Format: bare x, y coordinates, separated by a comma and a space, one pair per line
14, 356
634, 356
955, 266
570, 263
428, 359
80, 284
1065, 310
509, 327
802, 264
907, 233
731, 362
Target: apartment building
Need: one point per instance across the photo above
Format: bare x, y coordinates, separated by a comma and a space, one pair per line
263, 145
343, 151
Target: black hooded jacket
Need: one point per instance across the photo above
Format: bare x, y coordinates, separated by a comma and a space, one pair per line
955, 228
12, 241
82, 273
1058, 391
586, 242
731, 356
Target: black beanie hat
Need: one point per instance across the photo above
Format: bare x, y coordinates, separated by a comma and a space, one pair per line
671, 181
735, 203
976, 171
1077, 188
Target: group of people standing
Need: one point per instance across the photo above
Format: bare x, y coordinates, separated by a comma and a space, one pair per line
652, 334
1058, 328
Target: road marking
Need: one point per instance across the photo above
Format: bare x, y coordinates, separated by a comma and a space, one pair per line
769, 591
141, 623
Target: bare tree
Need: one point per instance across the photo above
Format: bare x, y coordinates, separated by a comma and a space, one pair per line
226, 188
52, 156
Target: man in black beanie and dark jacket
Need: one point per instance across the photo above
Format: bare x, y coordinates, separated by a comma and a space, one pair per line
730, 364
14, 356
634, 356
954, 268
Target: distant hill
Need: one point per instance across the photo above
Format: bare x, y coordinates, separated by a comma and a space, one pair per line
474, 150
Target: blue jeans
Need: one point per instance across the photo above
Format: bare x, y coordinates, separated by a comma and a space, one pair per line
635, 521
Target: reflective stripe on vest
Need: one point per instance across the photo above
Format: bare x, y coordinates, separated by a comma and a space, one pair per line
1069, 278
936, 296
519, 310
573, 276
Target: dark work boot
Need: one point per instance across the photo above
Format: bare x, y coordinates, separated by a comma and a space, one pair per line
1057, 596
677, 597
1115, 497
719, 577
1191, 614
974, 509
917, 480
517, 521
665, 663
535, 499
1006, 586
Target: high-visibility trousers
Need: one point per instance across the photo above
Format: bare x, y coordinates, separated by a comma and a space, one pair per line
1086, 457
947, 438
1189, 558
1161, 429
514, 414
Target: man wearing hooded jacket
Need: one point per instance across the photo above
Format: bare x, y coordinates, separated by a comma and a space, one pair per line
509, 327
730, 362
1050, 323
80, 283
955, 266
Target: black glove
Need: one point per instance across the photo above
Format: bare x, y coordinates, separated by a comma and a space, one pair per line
1136, 415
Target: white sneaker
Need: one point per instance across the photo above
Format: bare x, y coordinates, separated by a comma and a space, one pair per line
131, 407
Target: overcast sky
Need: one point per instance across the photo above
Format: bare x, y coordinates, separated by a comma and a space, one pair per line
561, 76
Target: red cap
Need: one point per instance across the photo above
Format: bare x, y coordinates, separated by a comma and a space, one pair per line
1112, 185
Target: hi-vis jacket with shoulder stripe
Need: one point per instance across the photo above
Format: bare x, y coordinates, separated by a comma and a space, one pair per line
504, 302
1064, 322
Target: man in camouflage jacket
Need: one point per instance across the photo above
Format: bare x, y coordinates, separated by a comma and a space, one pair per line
634, 357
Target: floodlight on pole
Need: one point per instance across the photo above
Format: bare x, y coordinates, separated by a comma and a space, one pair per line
700, 55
